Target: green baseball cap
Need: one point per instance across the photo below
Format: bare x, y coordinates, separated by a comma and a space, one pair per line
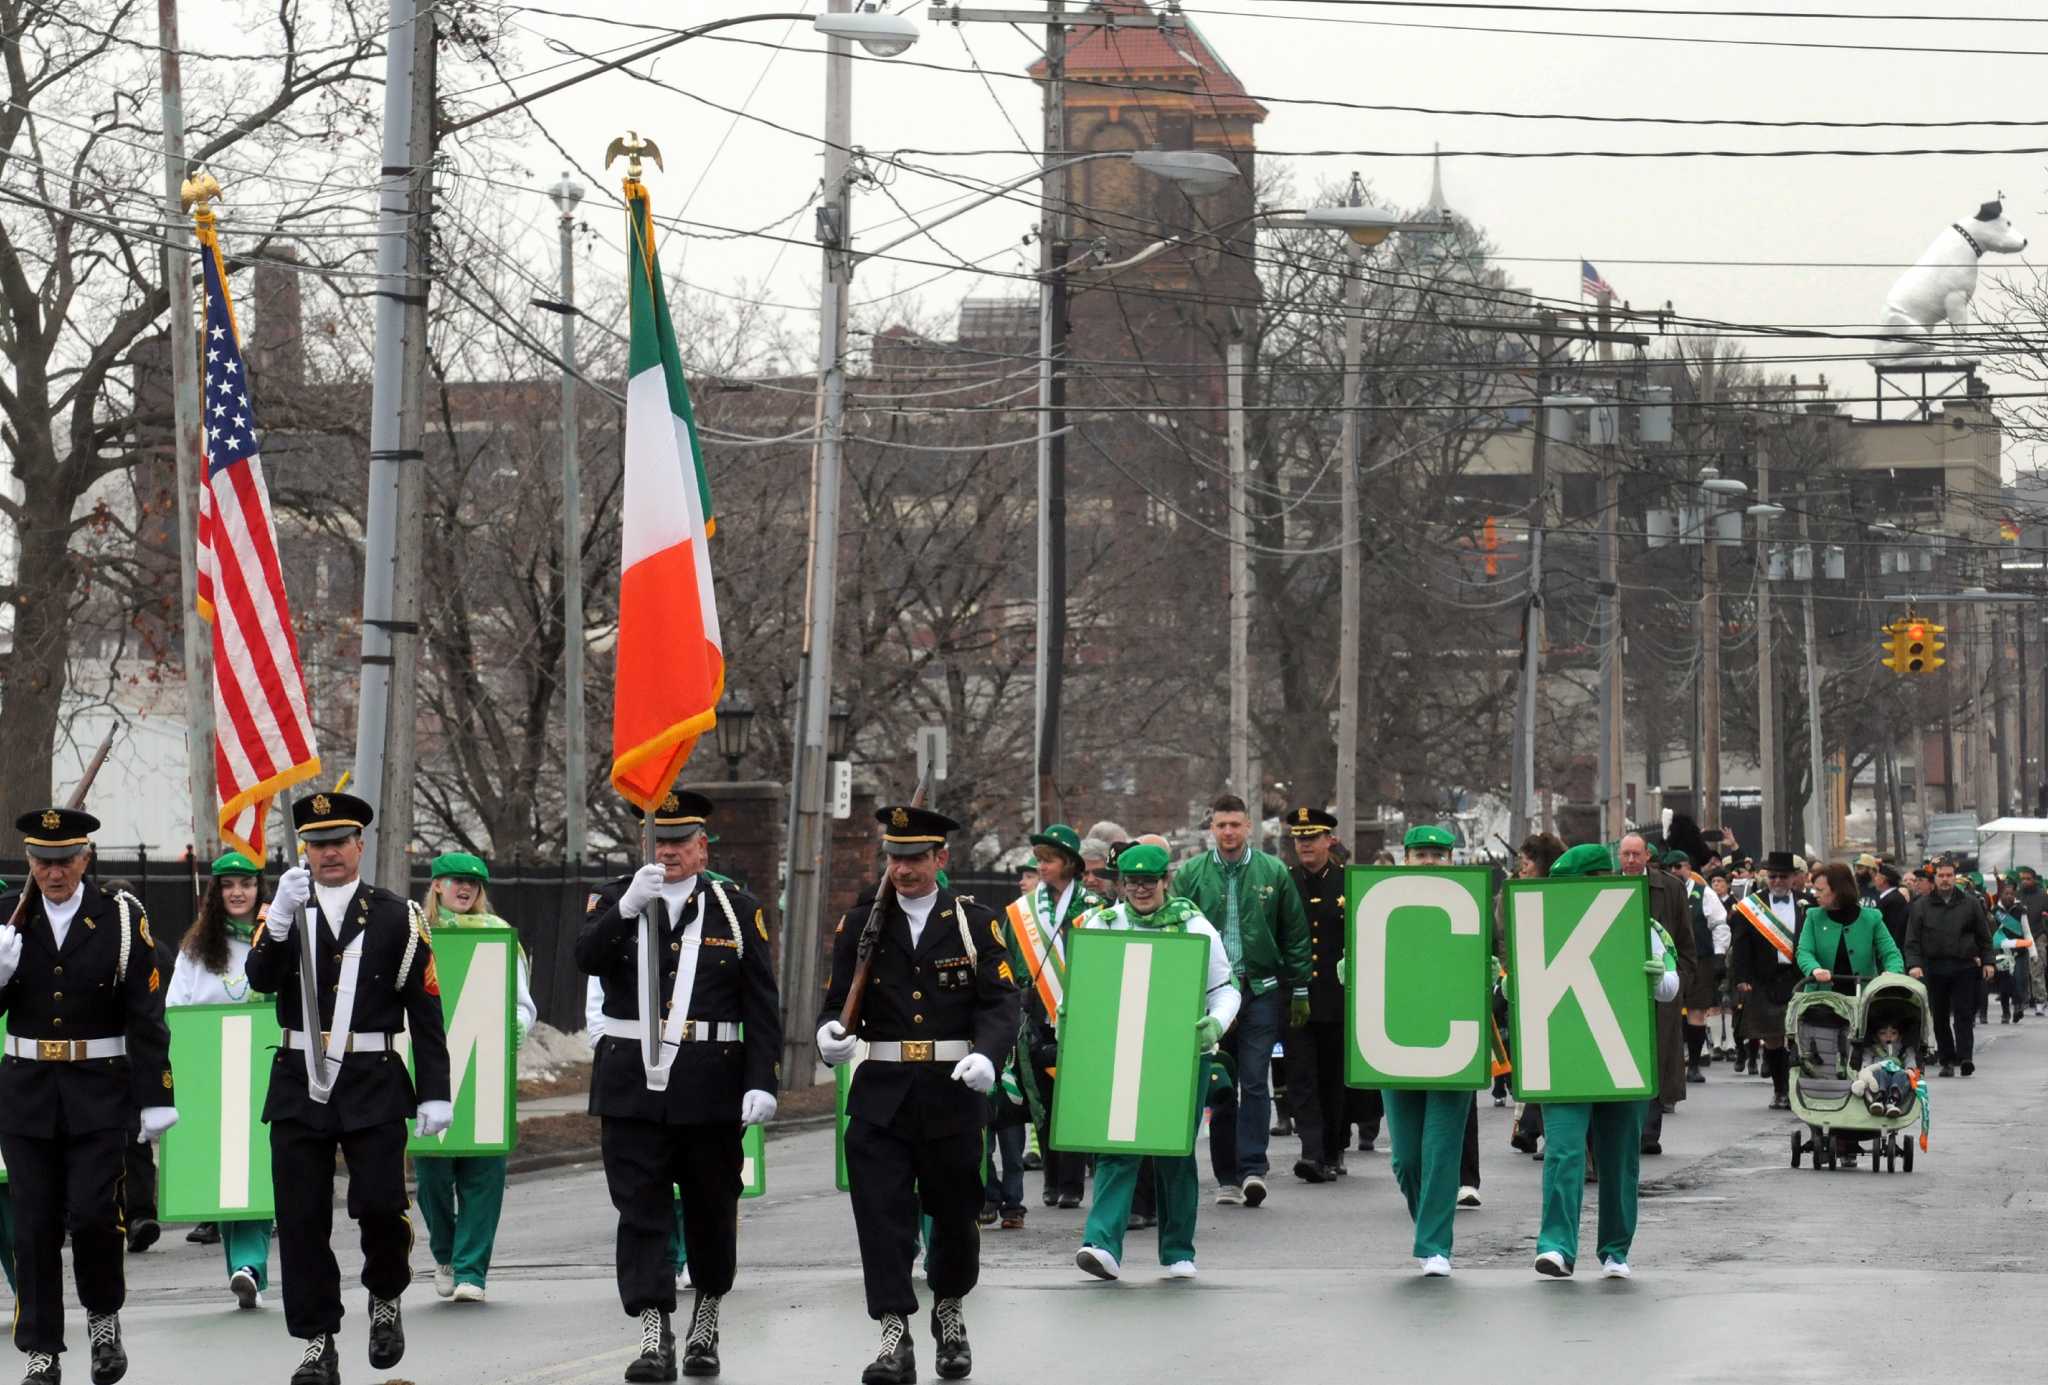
233, 863
1429, 834
461, 865
1059, 837
1590, 858
1142, 859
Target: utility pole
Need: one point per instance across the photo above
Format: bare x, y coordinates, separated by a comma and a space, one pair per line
1240, 588
575, 770
1707, 785
184, 346
1612, 675
1350, 562
1766, 687
391, 541
1819, 816
1524, 755
810, 855
1052, 445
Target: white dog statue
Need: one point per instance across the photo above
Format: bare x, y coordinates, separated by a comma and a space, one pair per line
1939, 285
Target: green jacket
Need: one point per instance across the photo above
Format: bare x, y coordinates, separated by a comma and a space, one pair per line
1871, 949
1271, 942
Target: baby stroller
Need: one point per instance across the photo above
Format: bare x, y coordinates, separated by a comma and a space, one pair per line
1834, 1037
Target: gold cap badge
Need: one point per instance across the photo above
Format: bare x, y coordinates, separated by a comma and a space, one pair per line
1303, 816
899, 818
321, 804
671, 804
52, 820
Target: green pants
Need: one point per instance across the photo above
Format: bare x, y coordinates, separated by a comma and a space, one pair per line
7, 1234
1427, 1132
247, 1244
461, 1197
1116, 1183
1615, 1131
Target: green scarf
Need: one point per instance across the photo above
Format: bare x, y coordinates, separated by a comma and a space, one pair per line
1173, 915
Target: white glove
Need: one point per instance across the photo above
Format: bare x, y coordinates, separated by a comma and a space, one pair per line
294, 888
757, 1108
835, 1045
644, 890
977, 1072
435, 1118
155, 1121
10, 952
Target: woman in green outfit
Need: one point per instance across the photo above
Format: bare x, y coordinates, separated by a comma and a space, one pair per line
1843, 937
1613, 1130
211, 970
462, 1195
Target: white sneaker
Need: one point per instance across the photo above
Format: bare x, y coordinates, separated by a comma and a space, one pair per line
1254, 1191
242, 1284
1097, 1262
1468, 1196
1436, 1267
444, 1280
1611, 1268
683, 1277
1181, 1269
1229, 1195
469, 1293
1552, 1264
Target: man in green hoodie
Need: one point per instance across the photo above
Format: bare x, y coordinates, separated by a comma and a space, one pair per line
1249, 896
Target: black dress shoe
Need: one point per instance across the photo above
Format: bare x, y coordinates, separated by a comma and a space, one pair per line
949, 1332
1653, 1147
1948, 1070
700, 1348
657, 1358
1070, 1200
1309, 1171
1337, 1170
321, 1365
205, 1234
387, 1333
142, 1235
1968, 1067
109, 1357
43, 1369
896, 1362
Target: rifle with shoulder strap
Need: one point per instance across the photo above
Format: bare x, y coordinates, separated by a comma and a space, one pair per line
871, 934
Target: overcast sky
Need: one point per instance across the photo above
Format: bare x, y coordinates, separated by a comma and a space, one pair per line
1860, 218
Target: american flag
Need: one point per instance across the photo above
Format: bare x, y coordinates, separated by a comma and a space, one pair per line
1591, 285
263, 728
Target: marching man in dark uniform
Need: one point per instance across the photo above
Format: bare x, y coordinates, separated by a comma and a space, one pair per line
87, 1054
364, 952
1315, 1051
670, 940
939, 1013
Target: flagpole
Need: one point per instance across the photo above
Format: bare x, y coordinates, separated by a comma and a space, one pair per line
184, 350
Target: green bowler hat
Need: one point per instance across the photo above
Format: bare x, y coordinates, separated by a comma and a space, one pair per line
1588, 858
1429, 834
1142, 859
1059, 837
461, 865
234, 863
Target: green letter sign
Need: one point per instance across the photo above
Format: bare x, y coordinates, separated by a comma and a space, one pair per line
1418, 972
1128, 1063
1583, 1015
478, 972
215, 1162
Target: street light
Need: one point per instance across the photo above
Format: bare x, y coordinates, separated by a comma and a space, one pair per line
735, 731
567, 195
836, 727
882, 35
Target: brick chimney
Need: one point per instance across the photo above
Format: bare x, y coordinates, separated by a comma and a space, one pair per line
277, 347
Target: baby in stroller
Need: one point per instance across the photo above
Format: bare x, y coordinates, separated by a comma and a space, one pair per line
1882, 1080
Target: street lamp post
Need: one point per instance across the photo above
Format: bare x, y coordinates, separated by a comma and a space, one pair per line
575, 774
735, 730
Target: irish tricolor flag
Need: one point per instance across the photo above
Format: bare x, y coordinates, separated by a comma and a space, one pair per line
670, 670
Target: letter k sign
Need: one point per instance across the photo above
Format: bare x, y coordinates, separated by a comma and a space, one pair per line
1541, 987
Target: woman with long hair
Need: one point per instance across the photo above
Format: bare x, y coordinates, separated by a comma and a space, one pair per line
462, 1195
211, 970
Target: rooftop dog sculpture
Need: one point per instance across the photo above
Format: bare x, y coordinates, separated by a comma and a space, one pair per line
1939, 285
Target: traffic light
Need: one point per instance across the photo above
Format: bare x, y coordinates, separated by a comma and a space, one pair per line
1919, 646
1894, 646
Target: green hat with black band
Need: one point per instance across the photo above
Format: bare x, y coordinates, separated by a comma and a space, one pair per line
1060, 838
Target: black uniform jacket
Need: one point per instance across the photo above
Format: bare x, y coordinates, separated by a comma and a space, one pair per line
1754, 962
72, 993
735, 984
1322, 899
938, 990
372, 1088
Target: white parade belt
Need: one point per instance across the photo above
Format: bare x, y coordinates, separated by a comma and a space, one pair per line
65, 1050
350, 1043
918, 1050
693, 1031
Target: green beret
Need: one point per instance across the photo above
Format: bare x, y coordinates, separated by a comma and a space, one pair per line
1675, 857
1142, 859
1059, 837
234, 863
1429, 834
1590, 858
460, 865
